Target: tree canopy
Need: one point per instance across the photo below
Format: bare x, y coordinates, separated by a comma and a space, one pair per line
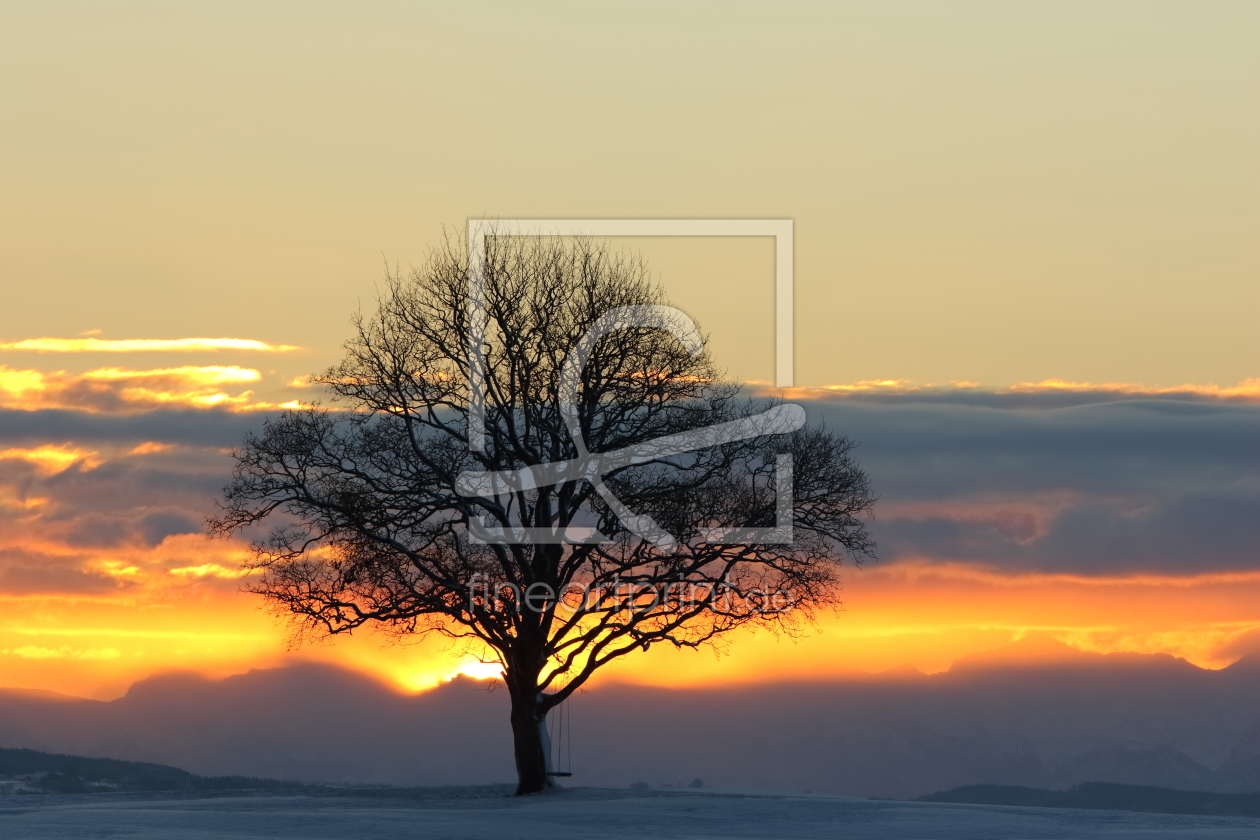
620, 493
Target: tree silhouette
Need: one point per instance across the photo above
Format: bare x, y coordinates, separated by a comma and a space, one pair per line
617, 493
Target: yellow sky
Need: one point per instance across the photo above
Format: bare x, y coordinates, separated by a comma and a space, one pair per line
983, 191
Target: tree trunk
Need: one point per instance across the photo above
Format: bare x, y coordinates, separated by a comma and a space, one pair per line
530, 741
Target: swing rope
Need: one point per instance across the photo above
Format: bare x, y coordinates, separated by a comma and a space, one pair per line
562, 746
560, 735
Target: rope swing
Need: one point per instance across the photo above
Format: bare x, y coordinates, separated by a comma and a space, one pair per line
562, 745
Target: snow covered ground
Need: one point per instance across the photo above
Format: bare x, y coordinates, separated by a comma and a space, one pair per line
580, 813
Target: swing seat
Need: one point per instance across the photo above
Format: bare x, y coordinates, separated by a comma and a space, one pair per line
556, 773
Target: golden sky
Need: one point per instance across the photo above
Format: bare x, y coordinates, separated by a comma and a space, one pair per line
1011, 203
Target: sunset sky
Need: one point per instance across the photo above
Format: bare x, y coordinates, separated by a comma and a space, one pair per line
1026, 263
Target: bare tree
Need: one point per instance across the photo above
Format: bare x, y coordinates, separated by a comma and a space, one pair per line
620, 495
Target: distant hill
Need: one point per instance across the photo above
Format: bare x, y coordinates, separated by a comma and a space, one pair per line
1108, 797
314, 723
32, 771
1042, 652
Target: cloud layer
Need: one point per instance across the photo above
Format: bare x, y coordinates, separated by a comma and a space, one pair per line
1125, 486
1130, 523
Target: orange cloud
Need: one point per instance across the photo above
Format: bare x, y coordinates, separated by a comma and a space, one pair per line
210, 569
864, 386
11, 502
141, 345
91, 621
151, 447
125, 390
50, 459
1248, 389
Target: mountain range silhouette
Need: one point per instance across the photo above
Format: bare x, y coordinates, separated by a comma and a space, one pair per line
1036, 713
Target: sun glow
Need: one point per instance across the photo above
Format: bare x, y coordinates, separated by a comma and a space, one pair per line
480, 670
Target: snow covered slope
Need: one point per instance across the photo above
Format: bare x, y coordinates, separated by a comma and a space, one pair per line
580, 814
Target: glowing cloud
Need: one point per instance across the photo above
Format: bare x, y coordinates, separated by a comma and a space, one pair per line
1248, 389
124, 390
142, 345
10, 503
152, 447
49, 459
479, 670
210, 569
